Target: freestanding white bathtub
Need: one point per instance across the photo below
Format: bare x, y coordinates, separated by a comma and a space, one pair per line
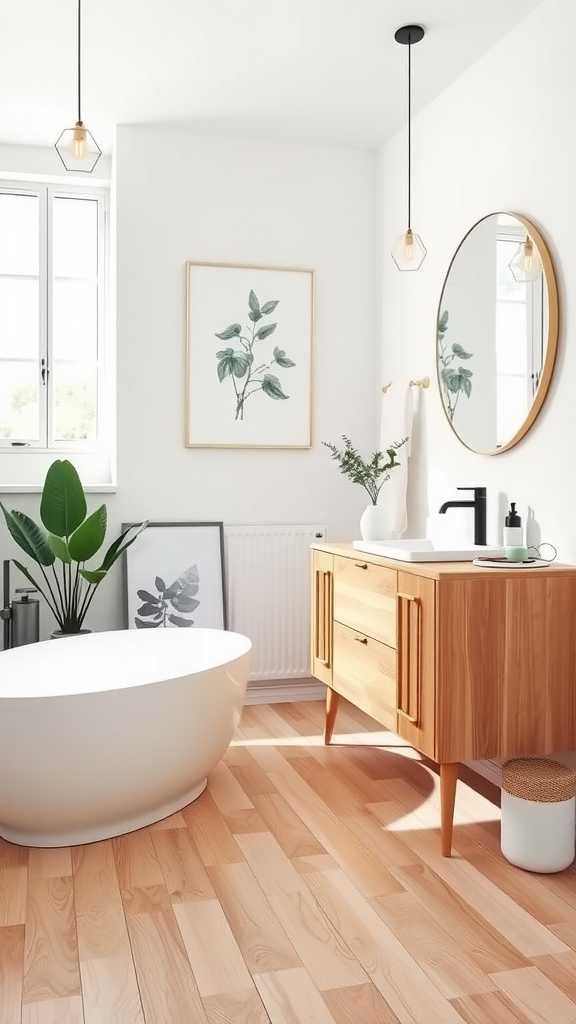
105, 733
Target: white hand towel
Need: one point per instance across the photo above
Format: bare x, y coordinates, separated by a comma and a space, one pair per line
396, 423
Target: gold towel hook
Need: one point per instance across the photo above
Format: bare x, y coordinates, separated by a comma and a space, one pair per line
423, 382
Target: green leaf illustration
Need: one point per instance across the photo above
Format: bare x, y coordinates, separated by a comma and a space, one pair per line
241, 362
271, 386
459, 351
282, 359
253, 302
264, 332
464, 372
145, 595
269, 307
159, 584
466, 386
231, 332
443, 322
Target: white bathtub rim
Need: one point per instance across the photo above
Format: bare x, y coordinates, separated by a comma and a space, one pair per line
59, 657
105, 830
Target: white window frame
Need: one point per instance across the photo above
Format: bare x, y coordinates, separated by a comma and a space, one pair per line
47, 444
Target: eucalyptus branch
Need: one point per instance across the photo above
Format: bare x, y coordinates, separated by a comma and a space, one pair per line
371, 475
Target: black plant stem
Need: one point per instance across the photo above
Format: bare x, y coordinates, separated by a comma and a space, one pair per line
58, 587
54, 605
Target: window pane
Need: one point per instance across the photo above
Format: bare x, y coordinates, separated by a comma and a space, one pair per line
75, 238
19, 408
19, 234
19, 327
75, 323
506, 285
512, 406
511, 338
75, 401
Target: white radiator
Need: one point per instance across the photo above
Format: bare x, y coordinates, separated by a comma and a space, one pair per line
268, 590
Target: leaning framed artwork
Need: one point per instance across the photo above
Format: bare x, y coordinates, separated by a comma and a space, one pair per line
174, 577
248, 356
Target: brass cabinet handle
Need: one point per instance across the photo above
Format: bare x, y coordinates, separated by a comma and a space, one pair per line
361, 639
408, 610
327, 618
323, 616
361, 565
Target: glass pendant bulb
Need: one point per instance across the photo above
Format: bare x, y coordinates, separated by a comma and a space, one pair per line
76, 147
526, 264
409, 251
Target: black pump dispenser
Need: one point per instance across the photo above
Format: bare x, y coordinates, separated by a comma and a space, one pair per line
513, 519
513, 532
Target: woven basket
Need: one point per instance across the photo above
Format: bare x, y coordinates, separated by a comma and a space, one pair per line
538, 779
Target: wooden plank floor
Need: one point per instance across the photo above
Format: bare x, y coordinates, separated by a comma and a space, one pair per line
305, 886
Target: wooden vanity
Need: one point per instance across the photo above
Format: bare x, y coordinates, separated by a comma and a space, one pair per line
465, 663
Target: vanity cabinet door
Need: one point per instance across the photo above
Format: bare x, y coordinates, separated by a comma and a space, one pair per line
416, 661
322, 602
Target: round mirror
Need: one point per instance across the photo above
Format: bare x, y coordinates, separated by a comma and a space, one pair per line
497, 332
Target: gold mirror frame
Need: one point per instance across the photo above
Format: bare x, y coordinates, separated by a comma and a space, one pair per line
553, 330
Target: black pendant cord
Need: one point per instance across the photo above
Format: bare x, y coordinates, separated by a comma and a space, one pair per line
409, 130
79, 64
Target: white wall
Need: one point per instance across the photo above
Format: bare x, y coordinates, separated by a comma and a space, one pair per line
181, 197
498, 139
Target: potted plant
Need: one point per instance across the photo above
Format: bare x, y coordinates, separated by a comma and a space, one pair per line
371, 475
70, 539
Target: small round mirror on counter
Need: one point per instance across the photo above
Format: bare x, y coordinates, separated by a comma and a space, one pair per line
497, 332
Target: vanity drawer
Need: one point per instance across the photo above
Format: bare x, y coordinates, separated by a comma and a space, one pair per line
364, 671
365, 598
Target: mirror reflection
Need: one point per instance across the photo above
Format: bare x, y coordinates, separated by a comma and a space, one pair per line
497, 332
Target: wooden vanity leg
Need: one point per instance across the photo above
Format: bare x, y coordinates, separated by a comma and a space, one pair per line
332, 701
448, 780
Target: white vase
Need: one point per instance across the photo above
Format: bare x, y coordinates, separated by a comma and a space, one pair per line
373, 523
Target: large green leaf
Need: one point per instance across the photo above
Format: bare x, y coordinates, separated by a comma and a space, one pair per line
269, 307
63, 505
28, 536
271, 386
89, 537
60, 548
25, 573
120, 545
93, 575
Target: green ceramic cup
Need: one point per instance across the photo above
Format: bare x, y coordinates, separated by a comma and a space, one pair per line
518, 553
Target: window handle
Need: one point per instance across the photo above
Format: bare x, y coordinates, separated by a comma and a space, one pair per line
44, 371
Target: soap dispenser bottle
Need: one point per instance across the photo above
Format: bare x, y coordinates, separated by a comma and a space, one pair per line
513, 534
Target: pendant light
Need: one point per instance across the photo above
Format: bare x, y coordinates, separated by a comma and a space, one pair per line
76, 147
409, 251
526, 264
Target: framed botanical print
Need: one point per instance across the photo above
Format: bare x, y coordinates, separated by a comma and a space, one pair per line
248, 356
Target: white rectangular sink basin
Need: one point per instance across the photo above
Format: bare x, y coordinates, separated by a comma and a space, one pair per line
424, 550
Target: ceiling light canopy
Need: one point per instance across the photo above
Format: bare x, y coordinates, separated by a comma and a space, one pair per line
76, 147
409, 251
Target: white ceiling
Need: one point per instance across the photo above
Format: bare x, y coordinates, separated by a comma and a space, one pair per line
325, 71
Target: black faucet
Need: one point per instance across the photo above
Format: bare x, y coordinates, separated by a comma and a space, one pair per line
479, 506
